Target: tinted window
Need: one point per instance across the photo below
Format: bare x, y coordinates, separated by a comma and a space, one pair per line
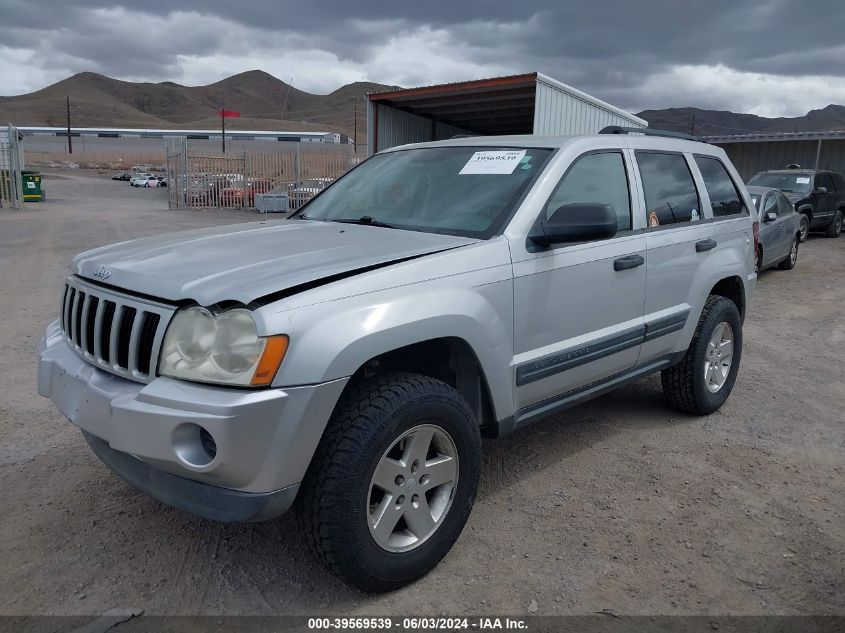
595, 178
724, 198
784, 206
824, 180
670, 193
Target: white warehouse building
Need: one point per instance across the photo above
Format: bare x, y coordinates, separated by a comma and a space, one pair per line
519, 104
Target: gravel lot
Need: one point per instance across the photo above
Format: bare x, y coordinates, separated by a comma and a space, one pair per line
621, 504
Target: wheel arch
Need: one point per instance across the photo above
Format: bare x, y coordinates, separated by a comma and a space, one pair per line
733, 289
450, 359
806, 210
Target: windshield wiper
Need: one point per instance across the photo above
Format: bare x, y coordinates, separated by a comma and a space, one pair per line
367, 220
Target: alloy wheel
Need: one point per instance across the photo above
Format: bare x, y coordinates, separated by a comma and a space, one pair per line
412, 488
718, 357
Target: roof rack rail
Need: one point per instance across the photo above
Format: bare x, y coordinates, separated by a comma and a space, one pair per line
618, 129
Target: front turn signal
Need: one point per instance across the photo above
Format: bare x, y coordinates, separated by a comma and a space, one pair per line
271, 358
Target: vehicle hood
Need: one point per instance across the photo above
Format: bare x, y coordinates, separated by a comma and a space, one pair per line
245, 262
794, 197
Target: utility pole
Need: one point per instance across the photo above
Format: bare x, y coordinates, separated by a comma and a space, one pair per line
285, 103
692, 126
69, 140
355, 127
223, 126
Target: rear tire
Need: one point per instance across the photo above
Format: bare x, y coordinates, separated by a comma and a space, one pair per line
374, 430
692, 384
834, 228
758, 261
789, 262
803, 227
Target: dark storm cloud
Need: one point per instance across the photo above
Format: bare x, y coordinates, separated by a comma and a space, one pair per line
609, 48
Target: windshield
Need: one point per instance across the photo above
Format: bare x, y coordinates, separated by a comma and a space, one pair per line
468, 191
791, 183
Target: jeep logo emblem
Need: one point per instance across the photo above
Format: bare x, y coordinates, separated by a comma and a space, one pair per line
102, 273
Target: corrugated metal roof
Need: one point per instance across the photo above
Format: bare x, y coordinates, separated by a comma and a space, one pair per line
453, 88
482, 106
618, 115
776, 136
515, 104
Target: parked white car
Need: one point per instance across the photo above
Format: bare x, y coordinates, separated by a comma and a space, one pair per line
138, 180
143, 180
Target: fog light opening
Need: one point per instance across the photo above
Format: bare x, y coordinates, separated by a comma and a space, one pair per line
194, 445
208, 444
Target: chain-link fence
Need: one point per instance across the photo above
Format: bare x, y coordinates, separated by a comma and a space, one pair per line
11, 164
249, 179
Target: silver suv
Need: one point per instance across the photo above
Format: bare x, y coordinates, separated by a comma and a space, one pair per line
350, 359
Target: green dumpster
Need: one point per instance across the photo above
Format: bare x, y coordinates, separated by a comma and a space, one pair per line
32, 191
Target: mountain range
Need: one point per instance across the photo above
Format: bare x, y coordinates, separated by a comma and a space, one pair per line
267, 103
264, 102
723, 123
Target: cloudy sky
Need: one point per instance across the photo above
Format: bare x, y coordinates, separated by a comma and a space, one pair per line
768, 57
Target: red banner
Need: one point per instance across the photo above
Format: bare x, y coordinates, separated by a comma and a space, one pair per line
229, 114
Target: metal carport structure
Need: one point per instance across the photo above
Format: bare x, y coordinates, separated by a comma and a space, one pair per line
751, 153
531, 103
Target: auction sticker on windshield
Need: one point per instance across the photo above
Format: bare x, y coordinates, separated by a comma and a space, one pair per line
493, 162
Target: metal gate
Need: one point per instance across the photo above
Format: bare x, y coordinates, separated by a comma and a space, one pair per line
235, 181
11, 164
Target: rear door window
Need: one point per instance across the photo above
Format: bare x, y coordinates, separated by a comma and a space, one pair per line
670, 193
724, 196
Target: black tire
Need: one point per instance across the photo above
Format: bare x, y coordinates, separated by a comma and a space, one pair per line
788, 263
758, 261
684, 384
803, 227
334, 500
834, 228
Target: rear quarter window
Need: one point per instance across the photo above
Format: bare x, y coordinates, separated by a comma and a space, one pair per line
724, 196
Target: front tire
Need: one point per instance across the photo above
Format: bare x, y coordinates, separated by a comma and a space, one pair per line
789, 262
701, 383
803, 227
834, 228
393, 480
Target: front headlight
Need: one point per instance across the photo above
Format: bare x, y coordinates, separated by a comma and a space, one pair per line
223, 348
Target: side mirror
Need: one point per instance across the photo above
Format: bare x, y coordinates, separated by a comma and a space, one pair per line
820, 190
578, 222
771, 216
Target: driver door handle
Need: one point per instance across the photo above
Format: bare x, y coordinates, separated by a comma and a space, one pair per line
705, 245
629, 261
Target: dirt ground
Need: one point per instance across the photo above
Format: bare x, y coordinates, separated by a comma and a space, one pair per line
621, 504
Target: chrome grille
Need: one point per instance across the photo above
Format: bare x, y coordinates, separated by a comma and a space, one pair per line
116, 332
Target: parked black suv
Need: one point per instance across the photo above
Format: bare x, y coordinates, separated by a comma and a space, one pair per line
819, 196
